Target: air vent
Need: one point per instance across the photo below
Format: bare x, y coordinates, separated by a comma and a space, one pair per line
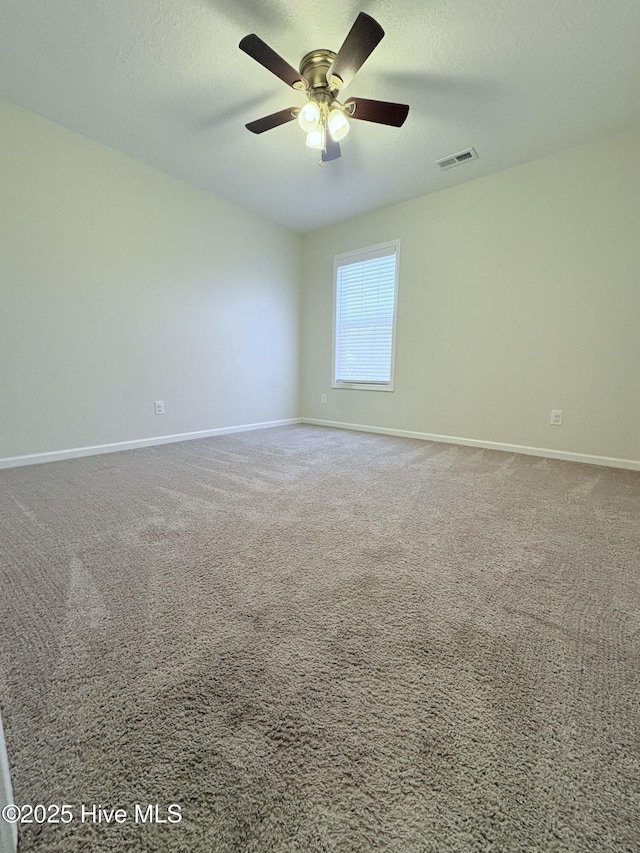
455, 159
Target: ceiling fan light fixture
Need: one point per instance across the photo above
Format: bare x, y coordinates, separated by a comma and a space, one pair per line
338, 124
322, 74
316, 138
309, 116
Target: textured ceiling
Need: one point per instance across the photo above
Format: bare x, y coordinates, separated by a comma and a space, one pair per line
164, 82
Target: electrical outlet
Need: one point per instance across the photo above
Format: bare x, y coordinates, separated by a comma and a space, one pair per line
556, 417
323, 399
159, 407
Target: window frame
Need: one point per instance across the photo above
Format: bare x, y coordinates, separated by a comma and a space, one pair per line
356, 256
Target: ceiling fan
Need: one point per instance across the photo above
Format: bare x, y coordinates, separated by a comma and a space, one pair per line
322, 74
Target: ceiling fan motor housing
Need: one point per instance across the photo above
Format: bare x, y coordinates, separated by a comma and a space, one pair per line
314, 67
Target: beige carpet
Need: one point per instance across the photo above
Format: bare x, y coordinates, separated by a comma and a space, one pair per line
314, 640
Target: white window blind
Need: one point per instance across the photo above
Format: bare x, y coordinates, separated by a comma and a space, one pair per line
365, 313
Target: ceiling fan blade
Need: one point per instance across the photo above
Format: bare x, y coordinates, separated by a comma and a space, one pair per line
332, 151
381, 112
273, 120
361, 39
259, 50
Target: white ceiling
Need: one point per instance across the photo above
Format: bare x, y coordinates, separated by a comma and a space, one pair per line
164, 82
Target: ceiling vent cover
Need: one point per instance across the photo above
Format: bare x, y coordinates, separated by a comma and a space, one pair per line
456, 159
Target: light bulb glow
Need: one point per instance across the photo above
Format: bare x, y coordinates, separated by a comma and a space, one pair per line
338, 124
315, 138
309, 116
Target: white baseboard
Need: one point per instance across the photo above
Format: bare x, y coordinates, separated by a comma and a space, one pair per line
608, 461
73, 453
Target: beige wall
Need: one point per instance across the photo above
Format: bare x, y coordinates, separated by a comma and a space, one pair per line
519, 293
120, 286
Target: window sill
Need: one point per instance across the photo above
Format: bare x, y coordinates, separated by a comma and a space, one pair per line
362, 386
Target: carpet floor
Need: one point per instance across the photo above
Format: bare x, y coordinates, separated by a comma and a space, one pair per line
315, 640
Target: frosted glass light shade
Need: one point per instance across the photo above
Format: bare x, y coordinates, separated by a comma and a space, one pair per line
309, 116
315, 138
338, 125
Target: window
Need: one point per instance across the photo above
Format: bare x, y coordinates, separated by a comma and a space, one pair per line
365, 297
